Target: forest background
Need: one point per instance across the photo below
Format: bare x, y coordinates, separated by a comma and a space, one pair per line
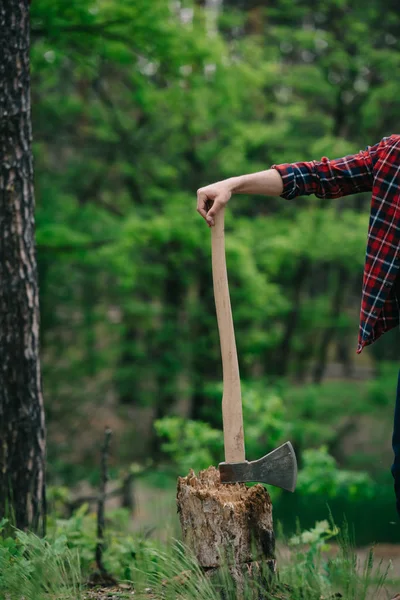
135, 105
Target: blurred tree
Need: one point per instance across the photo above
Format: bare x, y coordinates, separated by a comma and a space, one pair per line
22, 427
135, 105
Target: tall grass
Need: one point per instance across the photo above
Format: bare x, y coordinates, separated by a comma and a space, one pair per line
33, 568
356, 580
311, 573
36, 569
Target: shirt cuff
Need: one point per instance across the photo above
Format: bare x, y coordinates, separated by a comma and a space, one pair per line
287, 173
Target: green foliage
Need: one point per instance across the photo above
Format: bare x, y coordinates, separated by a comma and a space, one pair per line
191, 444
194, 444
315, 539
173, 571
121, 547
34, 568
356, 579
321, 476
135, 105
58, 566
380, 389
309, 570
134, 108
333, 412
316, 572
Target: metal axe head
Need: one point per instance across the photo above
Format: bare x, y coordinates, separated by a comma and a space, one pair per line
278, 468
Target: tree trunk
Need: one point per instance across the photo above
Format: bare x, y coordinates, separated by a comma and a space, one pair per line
228, 526
22, 427
338, 296
345, 356
284, 352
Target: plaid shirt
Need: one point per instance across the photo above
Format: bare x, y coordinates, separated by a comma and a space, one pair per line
375, 169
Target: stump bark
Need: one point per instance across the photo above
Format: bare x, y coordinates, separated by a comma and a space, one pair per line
227, 526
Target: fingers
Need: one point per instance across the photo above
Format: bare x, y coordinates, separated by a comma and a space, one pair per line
202, 200
215, 208
208, 207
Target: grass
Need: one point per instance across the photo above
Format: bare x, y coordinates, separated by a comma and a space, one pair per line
315, 572
34, 568
310, 574
56, 568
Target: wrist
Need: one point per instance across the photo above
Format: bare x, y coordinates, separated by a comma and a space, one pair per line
235, 184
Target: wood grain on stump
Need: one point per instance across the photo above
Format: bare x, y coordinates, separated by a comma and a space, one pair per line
226, 523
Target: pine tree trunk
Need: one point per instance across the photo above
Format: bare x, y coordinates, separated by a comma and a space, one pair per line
22, 427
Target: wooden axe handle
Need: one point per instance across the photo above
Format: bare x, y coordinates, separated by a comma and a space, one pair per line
232, 415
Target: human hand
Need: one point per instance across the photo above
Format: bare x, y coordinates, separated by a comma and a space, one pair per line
212, 198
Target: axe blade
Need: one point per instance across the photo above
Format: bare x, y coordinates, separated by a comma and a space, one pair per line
278, 468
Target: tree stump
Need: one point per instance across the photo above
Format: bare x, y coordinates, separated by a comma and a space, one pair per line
228, 526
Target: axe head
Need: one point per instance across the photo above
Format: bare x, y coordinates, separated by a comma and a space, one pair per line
278, 468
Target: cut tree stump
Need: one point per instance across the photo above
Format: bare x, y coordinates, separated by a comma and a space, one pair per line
228, 525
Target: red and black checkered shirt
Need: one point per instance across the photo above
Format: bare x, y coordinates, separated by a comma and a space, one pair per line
375, 169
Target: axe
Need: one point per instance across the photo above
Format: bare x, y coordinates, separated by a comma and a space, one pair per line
279, 467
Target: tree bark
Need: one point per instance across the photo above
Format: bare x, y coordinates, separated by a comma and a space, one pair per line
228, 526
22, 426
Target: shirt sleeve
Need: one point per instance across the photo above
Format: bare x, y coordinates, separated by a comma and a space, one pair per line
331, 178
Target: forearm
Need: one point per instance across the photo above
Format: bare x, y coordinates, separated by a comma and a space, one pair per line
265, 183
325, 178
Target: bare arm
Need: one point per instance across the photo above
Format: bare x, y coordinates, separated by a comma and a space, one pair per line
268, 183
325, 178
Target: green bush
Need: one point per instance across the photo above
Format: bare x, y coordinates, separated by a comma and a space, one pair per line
320, 475
313, 573
121, 547
196, 445
190, 444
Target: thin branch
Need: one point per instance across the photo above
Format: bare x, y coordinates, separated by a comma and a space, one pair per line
100, 508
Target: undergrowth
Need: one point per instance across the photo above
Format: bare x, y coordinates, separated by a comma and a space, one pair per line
58, 567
